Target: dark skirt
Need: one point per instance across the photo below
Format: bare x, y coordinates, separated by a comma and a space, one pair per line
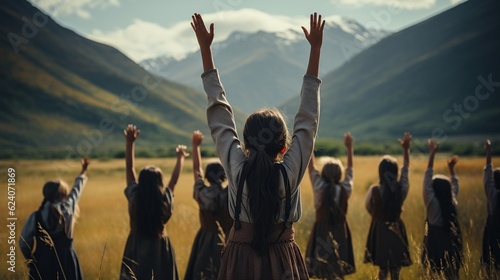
145, 258
387, 244
442, 251
491, 244
282, 261
329, 253
204, 260
59, 264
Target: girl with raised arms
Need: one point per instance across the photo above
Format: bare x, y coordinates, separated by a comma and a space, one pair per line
264, 173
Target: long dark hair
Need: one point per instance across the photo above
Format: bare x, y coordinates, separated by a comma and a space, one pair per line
265, 135
151, 207
442, 189
392, 195
215, 174
332, 173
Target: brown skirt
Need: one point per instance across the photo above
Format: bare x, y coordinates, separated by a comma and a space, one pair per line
387, 244
329, 253
282, 261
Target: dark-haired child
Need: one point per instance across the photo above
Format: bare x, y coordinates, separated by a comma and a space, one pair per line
148, 252
204, 260
442, 252
491, 238
387, 244
264, 175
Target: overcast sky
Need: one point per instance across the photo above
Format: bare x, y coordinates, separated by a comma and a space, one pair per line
150, 28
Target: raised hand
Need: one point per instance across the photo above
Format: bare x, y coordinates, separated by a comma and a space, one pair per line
131, 133
452, 161
487, 149
315, 38
315, 34
487, 146
197, 138
451, 164
203, 36
433, 146
85, 165
181, 151
348, 140
405, 143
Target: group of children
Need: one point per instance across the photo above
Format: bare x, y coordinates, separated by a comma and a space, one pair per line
246, 229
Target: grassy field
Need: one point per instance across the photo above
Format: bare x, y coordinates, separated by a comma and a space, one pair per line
104, 222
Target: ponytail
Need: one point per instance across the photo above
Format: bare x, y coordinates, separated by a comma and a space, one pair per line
442, 189
263, 197
265, 137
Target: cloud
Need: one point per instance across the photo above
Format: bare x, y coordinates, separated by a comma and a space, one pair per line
402, 4
80, 8
142, 39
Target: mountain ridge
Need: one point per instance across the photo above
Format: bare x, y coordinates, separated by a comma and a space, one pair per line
411, 80
265, 68
60, 87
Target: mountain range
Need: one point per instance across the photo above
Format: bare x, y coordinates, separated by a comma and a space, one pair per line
64, 93
265, 69
61, 91
439, 78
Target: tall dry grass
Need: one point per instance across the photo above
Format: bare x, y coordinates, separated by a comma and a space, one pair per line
104, 224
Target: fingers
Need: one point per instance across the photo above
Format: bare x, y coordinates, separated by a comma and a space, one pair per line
212, 29
181, 151
306, 33
131, 132
85, 161
453, 160
316, 22
487, 144
433, 145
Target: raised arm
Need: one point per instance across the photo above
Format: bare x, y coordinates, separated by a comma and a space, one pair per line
196, 142
85, 166
131, 133
451, 165
405, 144
454, 179
433, 147
350, 149
181, 155
487, 150
205, 39
307, 117
315, 38
489, 179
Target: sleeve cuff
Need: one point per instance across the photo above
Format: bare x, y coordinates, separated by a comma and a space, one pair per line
209, 72
306, 76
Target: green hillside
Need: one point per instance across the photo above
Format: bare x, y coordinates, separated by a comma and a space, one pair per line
418, 79
62, 92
